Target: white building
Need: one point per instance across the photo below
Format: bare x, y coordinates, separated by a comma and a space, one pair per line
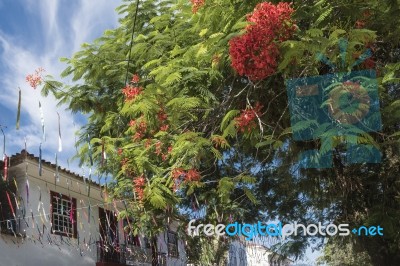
59, 218
245, 253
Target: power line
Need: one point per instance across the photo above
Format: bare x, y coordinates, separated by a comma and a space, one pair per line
130, 47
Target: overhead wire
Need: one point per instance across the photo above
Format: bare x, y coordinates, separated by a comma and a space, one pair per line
131, 44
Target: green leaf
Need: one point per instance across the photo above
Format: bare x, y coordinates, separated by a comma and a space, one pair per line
228, 118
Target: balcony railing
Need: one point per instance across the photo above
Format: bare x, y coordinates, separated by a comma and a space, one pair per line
109, 253
129, 255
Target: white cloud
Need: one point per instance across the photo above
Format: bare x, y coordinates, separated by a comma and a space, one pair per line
87, 24
86, 21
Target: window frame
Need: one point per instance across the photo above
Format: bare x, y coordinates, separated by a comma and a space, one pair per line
173, 247
9, 223
53, 199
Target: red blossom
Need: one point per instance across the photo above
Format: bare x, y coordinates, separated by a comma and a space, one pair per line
162, 116
193, 175
255, 53
137, 136
132, 123
360, 24
135, 78
177, 173
139, 182
140, 128
142, 125
158, 147
196, 4
246, 120
35, 79
147, 143
272, 20
164, 127
169, 149
119, 151
254, 57
139, 193
131, 92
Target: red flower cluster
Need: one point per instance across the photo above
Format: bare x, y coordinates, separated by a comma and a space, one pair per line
135, 78
131, 92
147, 144
256, 52
139, 182
246, 120
35, 79
140, 128
177, 173
360, 23
191, 175
162, 118
159, 150
196, 5
158, 147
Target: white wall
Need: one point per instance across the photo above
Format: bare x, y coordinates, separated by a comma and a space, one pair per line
29, 251
248, 254
163, 247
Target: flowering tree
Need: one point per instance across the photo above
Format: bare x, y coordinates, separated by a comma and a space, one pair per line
202, 127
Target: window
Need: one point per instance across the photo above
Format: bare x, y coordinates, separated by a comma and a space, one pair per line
108, 227
63, 215
8, 208
172, 244
130, 239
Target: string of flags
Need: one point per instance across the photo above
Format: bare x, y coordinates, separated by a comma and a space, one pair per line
44, 218
41, 215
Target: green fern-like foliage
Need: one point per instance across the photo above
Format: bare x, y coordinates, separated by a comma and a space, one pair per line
181, 132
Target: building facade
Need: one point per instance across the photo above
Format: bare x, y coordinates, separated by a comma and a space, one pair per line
243, 253
51, 216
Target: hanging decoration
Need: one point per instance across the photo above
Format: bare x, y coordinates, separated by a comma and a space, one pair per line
26, 176
4, 141
59, 134
91, 163
103, 154
5, 173
40, 159
56, 173
18, 109
42, 122
10, 204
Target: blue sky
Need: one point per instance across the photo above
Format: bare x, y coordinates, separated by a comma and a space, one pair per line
36, 34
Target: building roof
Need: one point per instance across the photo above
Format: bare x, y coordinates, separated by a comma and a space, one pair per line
19, 158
